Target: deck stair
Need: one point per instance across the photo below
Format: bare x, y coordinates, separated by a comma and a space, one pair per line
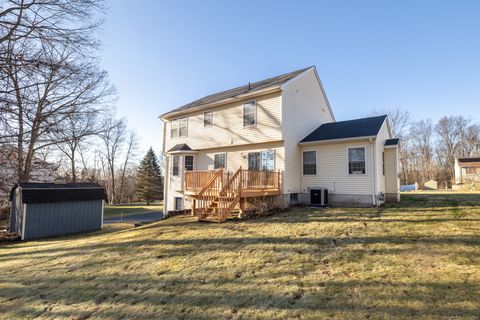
223, 195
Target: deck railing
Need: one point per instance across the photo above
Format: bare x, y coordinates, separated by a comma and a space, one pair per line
248, 179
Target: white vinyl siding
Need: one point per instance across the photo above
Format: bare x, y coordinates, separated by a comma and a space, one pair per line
304, 108
227, 127
332, 169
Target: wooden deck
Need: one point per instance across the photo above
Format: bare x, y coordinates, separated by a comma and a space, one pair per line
216, 194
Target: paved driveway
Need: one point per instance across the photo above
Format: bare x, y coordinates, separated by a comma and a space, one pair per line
139, 217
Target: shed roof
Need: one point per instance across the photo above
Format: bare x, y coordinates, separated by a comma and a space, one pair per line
248, 88
365, 127
52, 192
468, 159
392, 142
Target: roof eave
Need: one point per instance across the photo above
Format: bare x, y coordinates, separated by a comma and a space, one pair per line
257, 93
337, 140
181, 151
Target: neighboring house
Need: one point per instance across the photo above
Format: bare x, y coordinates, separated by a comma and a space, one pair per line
467, 170
42, 171
282, 133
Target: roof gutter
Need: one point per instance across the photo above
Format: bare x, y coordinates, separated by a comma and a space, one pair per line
171, 114
306, 143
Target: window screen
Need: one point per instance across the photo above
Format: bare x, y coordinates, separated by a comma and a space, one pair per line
309, 163
356, 161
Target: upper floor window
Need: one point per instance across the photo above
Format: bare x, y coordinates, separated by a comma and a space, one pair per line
249, 114
188, 163
309, 163
356, 160
178, 127
175, 165
208, 119
219, 160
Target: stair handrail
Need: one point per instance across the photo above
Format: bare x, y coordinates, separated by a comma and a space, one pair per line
210, 182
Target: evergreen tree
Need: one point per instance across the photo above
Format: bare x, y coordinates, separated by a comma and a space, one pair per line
149, 181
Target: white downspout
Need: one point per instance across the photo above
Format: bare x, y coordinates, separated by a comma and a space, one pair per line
374, 173
166, 176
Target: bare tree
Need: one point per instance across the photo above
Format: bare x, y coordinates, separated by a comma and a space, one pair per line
131, 149
113, 137
48, 71
75, 129
398, 119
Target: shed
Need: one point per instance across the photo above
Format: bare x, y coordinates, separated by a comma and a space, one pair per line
430, 185
41, 210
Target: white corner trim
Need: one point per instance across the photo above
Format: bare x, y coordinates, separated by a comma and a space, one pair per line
103, 206
24, 217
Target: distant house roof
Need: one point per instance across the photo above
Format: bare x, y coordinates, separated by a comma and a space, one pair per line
357, 128
468, 159
248, 88
52, 192
180, 147
392, 142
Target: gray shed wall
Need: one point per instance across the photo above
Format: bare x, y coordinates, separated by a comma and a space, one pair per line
51, 219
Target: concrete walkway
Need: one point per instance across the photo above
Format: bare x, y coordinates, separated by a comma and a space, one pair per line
138, 217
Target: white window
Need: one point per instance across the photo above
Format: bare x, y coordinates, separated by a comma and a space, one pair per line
188, 163
309, 163
175, 165
249, 114
174, 128
261, 161
178, 127
182, 127
356, 160
178, 203
219, 160
208, 119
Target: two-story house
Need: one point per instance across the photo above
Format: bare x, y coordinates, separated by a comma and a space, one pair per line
276, 137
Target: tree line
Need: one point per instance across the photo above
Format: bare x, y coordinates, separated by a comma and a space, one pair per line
55, 99
428, 149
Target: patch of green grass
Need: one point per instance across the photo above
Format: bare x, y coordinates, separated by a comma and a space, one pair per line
415, 260
128, 209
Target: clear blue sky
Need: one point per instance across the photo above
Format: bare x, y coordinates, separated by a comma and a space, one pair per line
423, 56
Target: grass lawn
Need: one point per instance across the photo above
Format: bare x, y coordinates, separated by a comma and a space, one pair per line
416, 260
127, 209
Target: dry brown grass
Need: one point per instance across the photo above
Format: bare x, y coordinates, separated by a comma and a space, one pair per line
416, 260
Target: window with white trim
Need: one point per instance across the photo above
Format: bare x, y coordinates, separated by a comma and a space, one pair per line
174, 128
175, 165
356, 160
249, 114
208, 119
261, 161
188, 163
219, 160
178, 127
309, 163
182, 127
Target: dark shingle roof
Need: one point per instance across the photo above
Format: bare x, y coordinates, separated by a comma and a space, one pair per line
468, 159
52, 192
180, 147
392, 142
232, 93
346, 129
